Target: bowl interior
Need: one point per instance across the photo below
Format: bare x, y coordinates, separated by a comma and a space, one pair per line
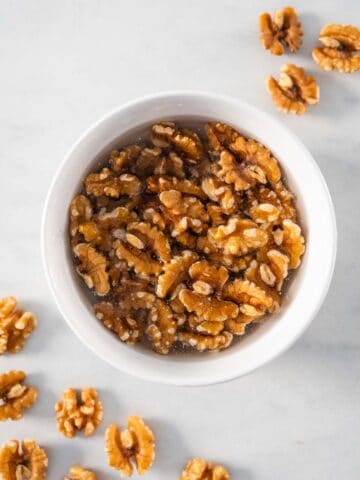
306, 290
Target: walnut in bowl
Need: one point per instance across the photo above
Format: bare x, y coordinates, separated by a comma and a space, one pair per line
203, 235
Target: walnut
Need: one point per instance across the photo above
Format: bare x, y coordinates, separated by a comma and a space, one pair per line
175, 272
209, 308
219, 192
238, 236
14, 396
199, 469
283, 30
124, 157
136, 443
22, 461
189, 242
117, 321
161, 183
15, 326
293, 242
162, 329
184, 212
110, 185
151, 238
72, 414
341, 44
136, 259
79, 473
92, 268
166, 133
294, 91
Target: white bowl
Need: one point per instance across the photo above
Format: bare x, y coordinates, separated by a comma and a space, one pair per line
307, 290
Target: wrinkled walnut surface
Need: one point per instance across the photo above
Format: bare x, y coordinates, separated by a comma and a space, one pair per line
186, 238
281, 31
199, 469
14, 396
25, 461
294, 91
80, 473
340, 48
74, 413
136, 443
15, 325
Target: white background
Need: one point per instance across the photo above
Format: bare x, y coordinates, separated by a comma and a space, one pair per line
64, 64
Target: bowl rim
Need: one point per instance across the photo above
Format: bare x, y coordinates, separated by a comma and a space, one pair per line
236, 372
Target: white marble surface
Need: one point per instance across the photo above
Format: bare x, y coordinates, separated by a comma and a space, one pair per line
66, 63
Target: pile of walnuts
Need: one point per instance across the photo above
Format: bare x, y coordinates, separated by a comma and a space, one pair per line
186, 238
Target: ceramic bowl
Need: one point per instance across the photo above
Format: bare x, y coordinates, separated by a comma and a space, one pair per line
308, 287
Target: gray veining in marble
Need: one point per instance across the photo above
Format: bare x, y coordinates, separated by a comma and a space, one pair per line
66, 63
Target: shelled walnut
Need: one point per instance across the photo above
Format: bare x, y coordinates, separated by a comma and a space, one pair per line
14, 396
340, 48
79, 473
199, 469
136, 443
72, 414
22, 461
186, 238
281, 31
294, 91
15, 325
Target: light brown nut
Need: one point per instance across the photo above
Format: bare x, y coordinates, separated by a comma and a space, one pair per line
80, 212
92, 268
264, 213
137, 259
238, 237
341, 44
293, 242
206, 342
154, 217
175, 272
162, 327
204, 272
183, 212
136, 443
14, 396
80, 473
15, 325
283, 30
152, 238
237, 326
209, 308
124, 158
166, 133
110, 185
220, 135
22, 461
294, 91
219, 192
248, 293
74, 413
161, 183
199, 469
119, 322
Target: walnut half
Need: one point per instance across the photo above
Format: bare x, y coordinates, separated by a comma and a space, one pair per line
199, 469
14, 396
283, 30
137, 442
73, 415
79, 473
22, 462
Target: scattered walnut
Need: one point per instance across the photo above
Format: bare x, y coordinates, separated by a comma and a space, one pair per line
136, 443
186, 240
294, 91
14, 396
199, 469
72, 414
22, 461
92, 268
340, 50
79, 473
283, 30
15, 326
